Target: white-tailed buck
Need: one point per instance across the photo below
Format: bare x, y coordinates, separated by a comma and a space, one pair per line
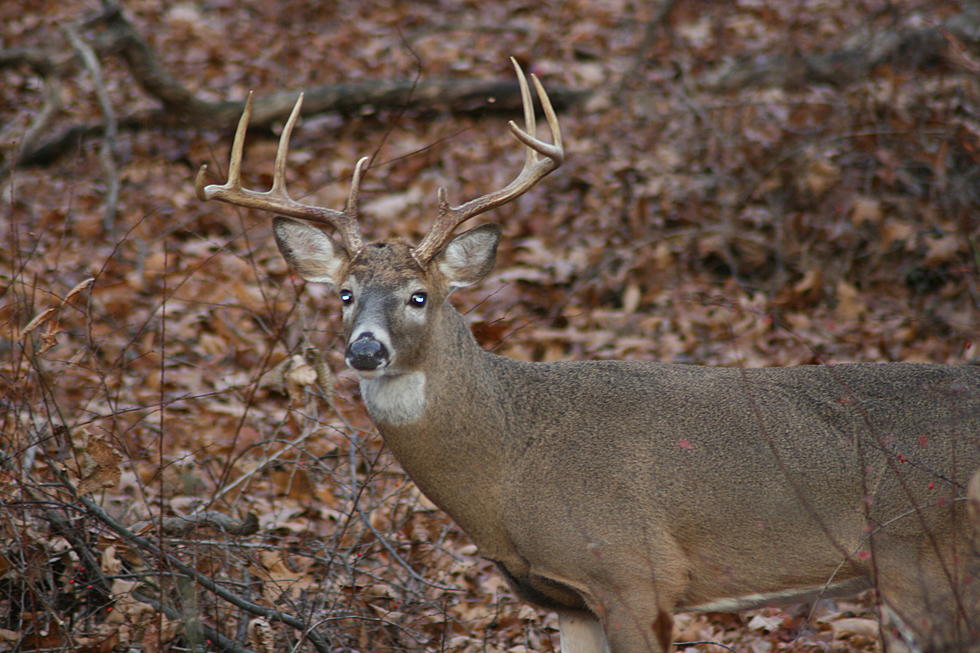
618, 493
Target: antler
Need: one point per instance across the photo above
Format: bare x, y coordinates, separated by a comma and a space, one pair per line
277, 199
535, 168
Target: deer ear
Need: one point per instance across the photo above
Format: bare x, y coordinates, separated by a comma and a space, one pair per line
469, 256
309, 251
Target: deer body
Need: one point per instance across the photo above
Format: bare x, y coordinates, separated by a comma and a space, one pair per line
620, 492
591, 483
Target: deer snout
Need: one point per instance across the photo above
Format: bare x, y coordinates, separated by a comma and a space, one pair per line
367, 353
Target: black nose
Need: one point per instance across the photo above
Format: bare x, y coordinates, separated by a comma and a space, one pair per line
366, 353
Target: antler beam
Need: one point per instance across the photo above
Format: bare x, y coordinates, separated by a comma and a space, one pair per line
277, 199
535, 168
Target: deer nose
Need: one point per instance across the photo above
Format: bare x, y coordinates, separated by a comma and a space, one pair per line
367, 353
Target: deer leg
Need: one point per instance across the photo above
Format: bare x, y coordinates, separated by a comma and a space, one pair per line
633, 591
931, 595
639, 629
636, 619
581, 632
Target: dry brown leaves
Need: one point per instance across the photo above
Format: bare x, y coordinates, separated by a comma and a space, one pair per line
163, 368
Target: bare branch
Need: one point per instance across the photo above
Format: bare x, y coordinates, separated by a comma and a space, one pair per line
184, 525
146, 545
107, 151
865, 49
181, 107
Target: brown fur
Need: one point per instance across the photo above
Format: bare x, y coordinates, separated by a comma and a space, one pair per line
638, 489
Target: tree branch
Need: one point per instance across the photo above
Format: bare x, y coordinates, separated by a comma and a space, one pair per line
184, 525
146, 545
866, 49
181, 108
107, 151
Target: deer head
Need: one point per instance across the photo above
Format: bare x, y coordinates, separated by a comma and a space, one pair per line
389, 290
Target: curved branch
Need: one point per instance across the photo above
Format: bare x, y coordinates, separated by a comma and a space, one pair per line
184, 525
107, 152
205, 581
182, 108
466, 96
949, 44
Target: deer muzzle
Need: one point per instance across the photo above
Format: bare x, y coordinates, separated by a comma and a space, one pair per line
367, 353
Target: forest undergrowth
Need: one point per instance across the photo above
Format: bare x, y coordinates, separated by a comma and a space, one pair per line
184, 461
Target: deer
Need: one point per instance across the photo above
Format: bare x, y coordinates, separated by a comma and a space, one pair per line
619, 493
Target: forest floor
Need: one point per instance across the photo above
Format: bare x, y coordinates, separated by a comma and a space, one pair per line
746, 184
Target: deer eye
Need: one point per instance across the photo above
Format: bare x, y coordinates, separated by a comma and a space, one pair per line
346, 297
417, 299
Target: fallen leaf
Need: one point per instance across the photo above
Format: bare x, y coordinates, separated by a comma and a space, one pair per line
866, 209
765, 624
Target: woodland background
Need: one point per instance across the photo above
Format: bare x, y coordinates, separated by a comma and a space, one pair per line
184, 462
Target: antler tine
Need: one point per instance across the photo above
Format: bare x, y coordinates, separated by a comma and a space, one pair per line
554, 151
527, 103
282, 151
535, 168
204, 193
277, 199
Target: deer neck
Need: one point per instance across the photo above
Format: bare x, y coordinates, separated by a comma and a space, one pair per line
444, 424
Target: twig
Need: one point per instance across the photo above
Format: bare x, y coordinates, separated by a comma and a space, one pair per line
401, 561
245, 478
290, 620
217, 638
86, 557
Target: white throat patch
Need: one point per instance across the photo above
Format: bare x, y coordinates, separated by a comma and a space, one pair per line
395, 399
